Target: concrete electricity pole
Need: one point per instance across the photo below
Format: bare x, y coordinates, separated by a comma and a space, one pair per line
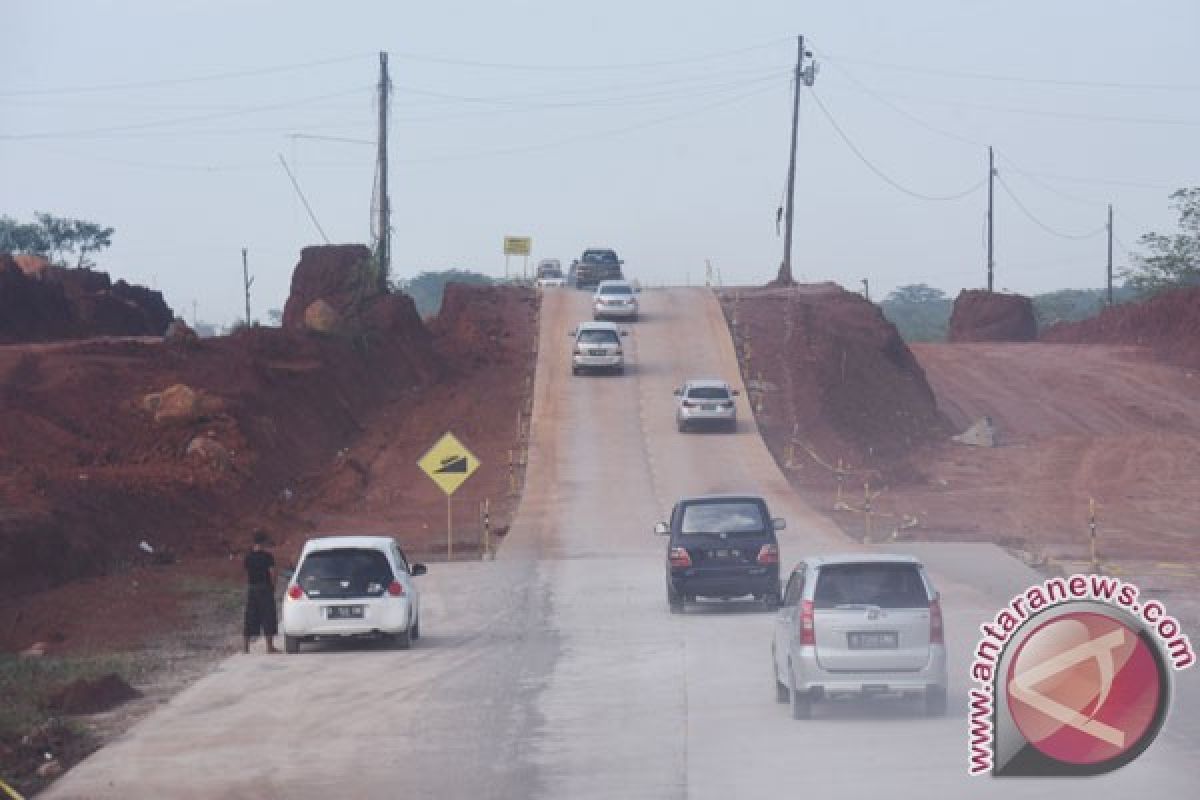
806, 77
1110, 238
247, 282
990, 216
384, 223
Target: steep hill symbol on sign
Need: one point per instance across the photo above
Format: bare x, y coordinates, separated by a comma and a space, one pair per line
452, 464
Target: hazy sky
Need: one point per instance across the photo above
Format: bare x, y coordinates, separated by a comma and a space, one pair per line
659, 129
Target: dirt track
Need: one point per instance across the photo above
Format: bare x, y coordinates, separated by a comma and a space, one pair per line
1075, 421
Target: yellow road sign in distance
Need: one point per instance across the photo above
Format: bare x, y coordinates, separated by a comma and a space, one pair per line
517, 245
449, 463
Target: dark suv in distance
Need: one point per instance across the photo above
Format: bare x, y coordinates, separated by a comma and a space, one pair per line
596, 265
721, 546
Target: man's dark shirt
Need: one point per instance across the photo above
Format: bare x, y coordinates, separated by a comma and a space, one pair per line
258, 564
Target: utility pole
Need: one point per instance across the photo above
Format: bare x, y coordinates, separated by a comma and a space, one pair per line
806, 78
866, 290
383, 224
991, 195
1110, 238
247, 282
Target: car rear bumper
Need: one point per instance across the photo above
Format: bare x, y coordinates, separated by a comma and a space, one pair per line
810, 676
598, 362
735, 582
306, 617
700, 416
615, 312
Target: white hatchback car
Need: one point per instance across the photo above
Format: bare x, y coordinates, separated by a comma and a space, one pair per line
352, 586
859, 624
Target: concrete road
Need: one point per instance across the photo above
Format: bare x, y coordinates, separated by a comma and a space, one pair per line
556, 671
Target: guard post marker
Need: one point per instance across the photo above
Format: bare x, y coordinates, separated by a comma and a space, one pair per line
867, 513
1092, 533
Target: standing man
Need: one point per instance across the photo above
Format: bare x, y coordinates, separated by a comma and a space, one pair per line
260, 595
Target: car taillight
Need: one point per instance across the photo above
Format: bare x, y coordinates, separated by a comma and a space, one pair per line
396, 589
768, 554
807, 631
679, 557
937, 628
295, 592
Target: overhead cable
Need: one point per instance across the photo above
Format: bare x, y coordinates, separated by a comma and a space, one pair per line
1033, 218
880, 173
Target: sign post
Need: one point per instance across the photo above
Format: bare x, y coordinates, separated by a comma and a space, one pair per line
518, 246
448, 464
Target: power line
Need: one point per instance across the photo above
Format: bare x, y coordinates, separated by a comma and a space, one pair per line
590, 136
880, 173
220, 76
1053, 231
588, 67
175, 121
945, 73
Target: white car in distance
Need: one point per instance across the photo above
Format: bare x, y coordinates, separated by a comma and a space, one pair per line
550, 274
349, 587
615, 300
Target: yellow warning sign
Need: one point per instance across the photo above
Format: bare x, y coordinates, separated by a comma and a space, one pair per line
449, 463
517, 245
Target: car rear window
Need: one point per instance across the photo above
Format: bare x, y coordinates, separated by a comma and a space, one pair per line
708, 393
345, 572
730, 517
598, 337
882, 585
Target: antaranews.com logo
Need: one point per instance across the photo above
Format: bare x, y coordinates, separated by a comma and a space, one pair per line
1073, 678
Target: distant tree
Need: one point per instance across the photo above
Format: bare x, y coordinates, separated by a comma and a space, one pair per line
55, 238
920, 312
1173, 260
427, 288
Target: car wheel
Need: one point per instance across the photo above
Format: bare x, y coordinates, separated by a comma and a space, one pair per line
291, 644
731, 426
935, 701
682, 426
574, 370
674, 600
620, 370
801, 701
402, 640
782, 695
416, 629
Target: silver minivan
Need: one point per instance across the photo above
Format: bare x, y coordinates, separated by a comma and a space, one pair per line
859, 625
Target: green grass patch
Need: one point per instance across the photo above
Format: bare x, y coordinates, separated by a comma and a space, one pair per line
26, 683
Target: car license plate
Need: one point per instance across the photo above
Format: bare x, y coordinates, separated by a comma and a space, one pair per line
874, 640
343, 612
723, 553
708, 407
597, 352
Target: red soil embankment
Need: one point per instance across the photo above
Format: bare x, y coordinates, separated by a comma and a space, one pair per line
982, 316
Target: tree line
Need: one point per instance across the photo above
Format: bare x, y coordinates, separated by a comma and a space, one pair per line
58, 239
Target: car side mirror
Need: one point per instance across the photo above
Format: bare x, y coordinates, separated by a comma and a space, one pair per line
417, 569
736, 393
779, 523
677, 392
661, 528
572, 334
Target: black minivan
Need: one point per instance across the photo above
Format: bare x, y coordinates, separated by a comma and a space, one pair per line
722, 546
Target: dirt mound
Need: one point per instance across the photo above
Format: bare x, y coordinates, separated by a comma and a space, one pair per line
837, 380
1168, 323
47, 303
338, 274
982, 316
86, 696
473, 325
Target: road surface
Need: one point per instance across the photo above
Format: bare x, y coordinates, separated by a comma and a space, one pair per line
556, 671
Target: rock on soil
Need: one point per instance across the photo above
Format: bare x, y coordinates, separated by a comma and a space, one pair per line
1168, 323
982, 316
91, 696
839, 378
